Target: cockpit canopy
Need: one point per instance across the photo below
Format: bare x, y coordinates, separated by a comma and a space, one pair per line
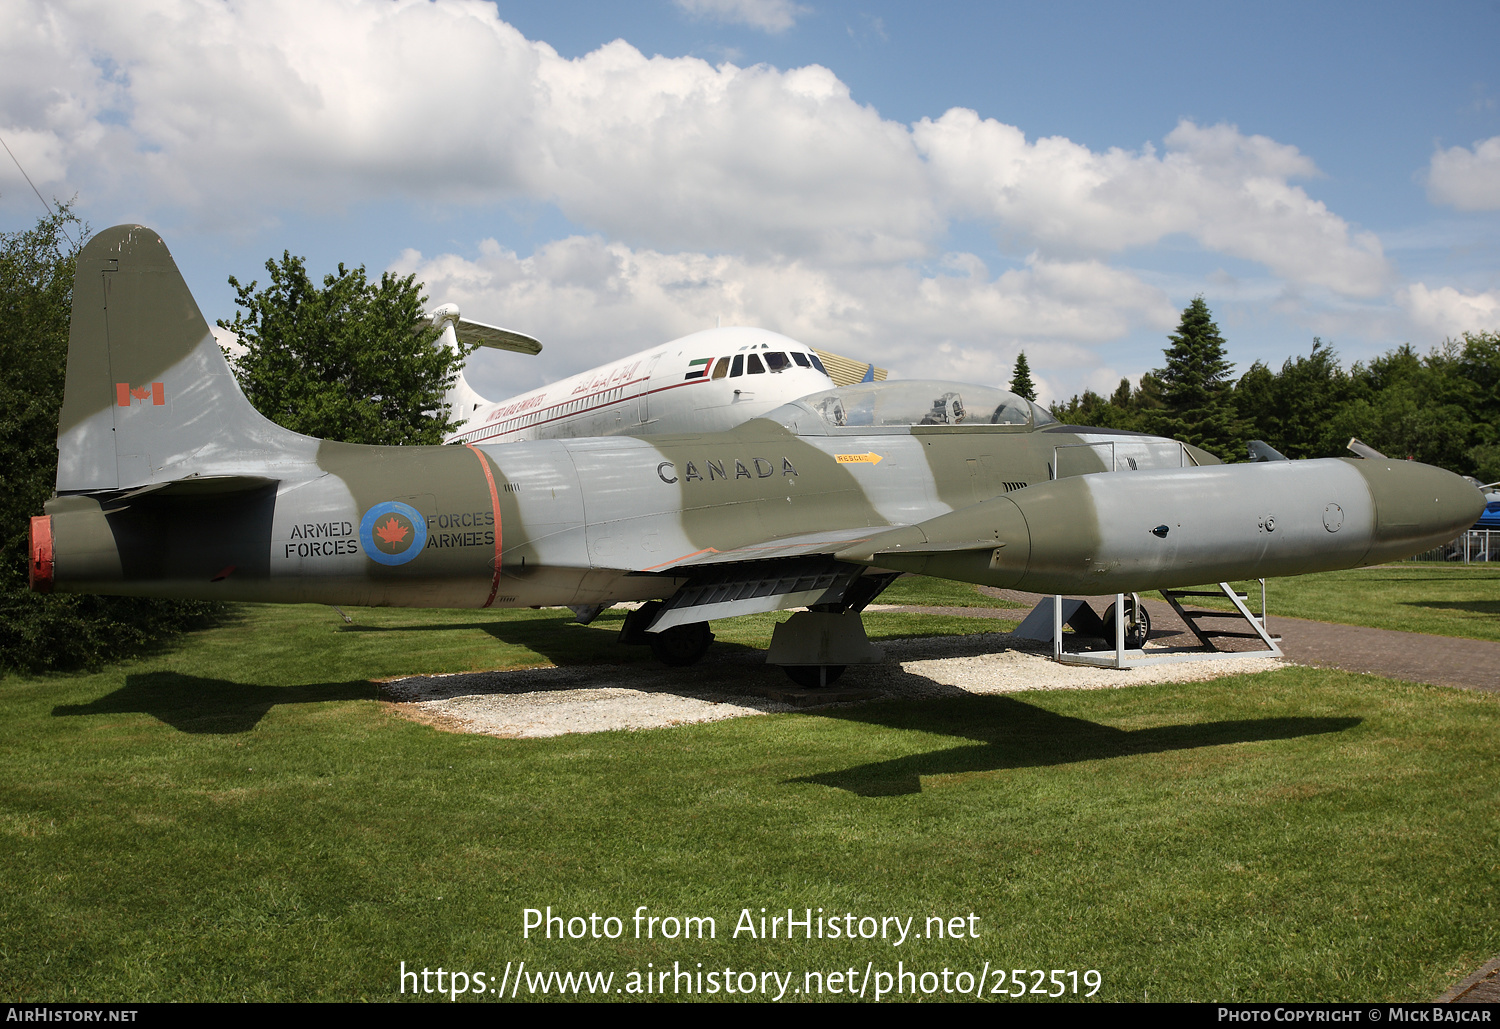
905, 403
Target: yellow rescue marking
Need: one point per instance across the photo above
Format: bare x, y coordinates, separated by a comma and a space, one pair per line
857, 458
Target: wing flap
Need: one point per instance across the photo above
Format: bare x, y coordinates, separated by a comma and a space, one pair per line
756, 587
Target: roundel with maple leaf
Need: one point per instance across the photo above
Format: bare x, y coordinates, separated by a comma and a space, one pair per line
393, 533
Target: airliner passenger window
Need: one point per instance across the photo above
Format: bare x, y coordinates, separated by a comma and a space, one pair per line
722, 368
801, 359
739, 366
756, 368
776, 361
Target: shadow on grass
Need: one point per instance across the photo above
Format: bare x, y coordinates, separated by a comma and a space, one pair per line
1013, 734
214, 706
1478, 607
1483, 573
560, 639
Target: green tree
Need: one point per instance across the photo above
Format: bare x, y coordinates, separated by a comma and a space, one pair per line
56, 631
1020, 381
1126, 408
1296, 410
1431, 409
353, 361
1198, 406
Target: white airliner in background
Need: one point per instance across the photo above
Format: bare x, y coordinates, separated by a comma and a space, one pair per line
706, 382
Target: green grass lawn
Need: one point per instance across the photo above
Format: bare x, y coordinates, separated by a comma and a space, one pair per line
925, 591
1444, 600
288, 644
238, 817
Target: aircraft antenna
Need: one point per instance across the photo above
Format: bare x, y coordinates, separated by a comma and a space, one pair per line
38, 192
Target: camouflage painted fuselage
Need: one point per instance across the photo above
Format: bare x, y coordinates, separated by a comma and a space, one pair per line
171, 485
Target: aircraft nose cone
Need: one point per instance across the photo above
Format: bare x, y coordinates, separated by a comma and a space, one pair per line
1417, 506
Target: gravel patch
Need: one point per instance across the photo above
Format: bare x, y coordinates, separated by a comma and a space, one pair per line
537, 702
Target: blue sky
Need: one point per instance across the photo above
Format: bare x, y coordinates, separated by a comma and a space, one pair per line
932, 187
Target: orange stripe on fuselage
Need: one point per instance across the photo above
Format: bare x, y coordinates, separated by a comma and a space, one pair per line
489, 477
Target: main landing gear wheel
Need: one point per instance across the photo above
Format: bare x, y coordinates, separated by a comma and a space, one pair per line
681, 645
812, 677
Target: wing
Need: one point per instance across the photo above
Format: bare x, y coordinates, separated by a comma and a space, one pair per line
835, 570
777, 575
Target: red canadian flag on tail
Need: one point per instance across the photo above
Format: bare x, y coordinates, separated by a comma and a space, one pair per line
125, 395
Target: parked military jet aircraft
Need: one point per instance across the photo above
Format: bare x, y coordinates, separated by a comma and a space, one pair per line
170, 484
706, 382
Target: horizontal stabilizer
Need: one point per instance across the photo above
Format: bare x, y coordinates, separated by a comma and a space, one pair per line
201, 486
496, 338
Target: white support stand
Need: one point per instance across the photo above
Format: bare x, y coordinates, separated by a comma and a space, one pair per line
1120, 657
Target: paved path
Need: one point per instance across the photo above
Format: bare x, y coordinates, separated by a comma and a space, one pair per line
1412, 656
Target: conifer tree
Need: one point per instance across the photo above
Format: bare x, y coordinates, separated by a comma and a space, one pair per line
1020, 381
1196, 390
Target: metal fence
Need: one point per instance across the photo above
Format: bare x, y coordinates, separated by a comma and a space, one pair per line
1472, 547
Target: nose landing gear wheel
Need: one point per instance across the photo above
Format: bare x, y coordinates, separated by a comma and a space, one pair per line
812, 677
1137, 623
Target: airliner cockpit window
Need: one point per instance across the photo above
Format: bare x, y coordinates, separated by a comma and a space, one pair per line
801, 359
775, 361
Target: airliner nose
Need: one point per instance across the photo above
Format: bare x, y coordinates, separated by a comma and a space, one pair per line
1417, 506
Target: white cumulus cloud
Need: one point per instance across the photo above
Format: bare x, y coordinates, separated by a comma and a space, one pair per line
235, 113
589, 299
760, 195
675, 152
1466, 179
1446, 312
1228, 191
230, 110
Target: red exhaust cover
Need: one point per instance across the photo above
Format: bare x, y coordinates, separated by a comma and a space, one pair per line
41, 553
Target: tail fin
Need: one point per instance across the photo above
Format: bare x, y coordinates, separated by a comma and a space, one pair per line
462, 399
149, 397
